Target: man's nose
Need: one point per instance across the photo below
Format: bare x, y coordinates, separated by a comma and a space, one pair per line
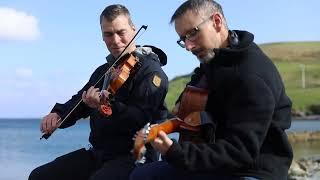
189, 45
116, 38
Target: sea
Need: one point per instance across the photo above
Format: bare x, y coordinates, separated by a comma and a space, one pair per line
21, 149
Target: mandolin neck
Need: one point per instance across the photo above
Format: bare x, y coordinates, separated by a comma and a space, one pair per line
169, 126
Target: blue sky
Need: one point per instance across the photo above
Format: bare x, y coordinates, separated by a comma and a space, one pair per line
48, 49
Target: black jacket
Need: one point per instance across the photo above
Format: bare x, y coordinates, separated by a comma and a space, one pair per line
248, 110
138, 101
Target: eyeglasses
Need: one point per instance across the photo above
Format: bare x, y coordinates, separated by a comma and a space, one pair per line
192, 34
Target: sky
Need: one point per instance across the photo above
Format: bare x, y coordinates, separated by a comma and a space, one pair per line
49, 49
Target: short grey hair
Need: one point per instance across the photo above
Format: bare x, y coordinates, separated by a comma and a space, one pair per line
113, 11
199, 7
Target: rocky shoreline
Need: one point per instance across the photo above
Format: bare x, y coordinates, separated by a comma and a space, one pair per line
306, 168
306, 136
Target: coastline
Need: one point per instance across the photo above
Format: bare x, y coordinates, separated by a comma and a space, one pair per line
306, 167
305, 136
315, 117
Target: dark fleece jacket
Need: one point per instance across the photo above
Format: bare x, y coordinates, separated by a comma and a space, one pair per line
248, 110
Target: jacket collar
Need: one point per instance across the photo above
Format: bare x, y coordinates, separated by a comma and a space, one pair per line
231, 55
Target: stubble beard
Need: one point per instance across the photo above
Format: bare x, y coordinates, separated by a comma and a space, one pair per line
207, 58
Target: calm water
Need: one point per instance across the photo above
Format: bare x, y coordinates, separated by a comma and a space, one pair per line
21, 150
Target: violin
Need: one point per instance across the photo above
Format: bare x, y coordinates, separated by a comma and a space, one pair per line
118, 77
193, 99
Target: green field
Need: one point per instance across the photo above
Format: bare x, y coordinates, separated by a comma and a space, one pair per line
290, 58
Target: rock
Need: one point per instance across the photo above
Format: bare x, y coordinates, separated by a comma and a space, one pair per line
297, 169
305, 169
298, 113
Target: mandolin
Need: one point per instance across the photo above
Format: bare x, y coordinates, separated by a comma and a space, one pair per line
193, 99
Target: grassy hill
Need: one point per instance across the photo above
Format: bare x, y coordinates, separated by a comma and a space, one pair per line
290, 58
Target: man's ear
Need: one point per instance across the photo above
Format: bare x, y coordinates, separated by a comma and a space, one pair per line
218, 21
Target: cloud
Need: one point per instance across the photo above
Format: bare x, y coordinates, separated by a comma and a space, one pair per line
17, 25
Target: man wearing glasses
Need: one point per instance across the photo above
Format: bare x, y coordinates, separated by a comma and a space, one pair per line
247, 111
